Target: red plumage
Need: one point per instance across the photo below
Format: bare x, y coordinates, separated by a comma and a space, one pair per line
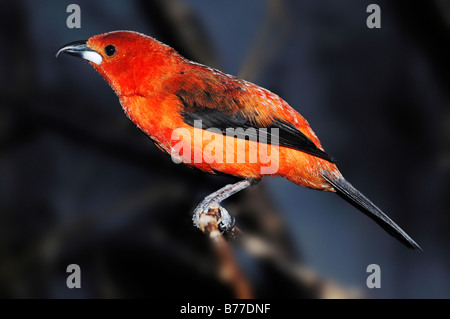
147, 76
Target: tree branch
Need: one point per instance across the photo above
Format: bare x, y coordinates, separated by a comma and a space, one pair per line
229, 270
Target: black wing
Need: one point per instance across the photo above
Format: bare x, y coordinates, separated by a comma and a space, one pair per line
224, 118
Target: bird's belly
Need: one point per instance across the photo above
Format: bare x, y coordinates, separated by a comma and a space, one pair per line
214, 152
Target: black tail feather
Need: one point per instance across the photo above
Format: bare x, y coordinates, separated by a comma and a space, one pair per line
354, 197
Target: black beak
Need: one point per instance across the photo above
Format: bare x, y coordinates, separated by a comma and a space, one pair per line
81, 50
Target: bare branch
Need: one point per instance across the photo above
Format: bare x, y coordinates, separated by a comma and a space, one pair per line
304, 277
229, 270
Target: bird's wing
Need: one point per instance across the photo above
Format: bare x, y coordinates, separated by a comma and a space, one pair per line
227, 104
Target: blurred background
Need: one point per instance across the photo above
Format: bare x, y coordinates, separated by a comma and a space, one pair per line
80, 184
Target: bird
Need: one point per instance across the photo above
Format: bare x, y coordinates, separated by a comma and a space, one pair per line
194, 113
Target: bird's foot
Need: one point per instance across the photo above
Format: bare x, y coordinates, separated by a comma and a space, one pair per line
211, 203
225, 221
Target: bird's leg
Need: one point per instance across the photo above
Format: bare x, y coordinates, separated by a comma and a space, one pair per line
214, 199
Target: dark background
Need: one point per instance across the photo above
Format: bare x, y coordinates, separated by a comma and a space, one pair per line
79, 183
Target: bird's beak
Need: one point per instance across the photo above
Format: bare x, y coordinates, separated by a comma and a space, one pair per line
81, 50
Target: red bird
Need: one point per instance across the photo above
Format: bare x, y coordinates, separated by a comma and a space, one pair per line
195, 113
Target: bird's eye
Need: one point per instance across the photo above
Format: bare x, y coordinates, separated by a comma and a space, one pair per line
110, 50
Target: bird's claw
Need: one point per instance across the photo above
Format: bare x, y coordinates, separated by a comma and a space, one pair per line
225, 221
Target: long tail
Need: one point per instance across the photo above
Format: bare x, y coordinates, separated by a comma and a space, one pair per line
354, 197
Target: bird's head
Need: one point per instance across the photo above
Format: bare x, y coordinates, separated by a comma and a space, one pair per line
130, 62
